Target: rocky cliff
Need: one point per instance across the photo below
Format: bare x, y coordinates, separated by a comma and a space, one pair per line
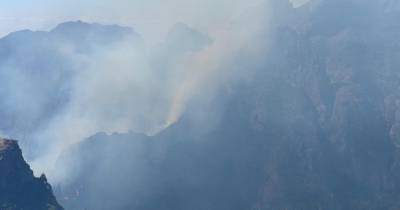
19, 189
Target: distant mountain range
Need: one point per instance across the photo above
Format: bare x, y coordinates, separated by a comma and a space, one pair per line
314, 125
37, 68
315, 128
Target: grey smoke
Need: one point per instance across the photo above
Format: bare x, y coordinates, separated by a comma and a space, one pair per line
118, 88
126, 84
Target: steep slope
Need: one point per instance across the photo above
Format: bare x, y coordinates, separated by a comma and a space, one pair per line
19, 189
316, 127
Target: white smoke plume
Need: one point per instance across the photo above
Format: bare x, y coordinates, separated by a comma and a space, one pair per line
118, 90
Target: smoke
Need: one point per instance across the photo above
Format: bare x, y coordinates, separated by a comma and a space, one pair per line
209, 64
152, 18
128, 86
298, 3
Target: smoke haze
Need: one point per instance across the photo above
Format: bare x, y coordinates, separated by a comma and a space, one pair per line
119, 86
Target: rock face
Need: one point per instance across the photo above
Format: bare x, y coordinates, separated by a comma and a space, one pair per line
318, 127
19, 189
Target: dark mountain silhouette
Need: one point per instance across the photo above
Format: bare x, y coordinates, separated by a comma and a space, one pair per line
19, 189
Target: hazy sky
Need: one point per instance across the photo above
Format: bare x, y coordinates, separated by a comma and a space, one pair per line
150, 17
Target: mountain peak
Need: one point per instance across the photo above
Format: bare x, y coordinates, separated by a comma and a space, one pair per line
6, 144
19, 189
73, 26
10, 152
85, 35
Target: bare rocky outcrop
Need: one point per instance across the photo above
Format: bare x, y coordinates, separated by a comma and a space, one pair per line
19, 189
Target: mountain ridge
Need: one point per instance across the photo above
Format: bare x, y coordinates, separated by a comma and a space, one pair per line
19, 189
